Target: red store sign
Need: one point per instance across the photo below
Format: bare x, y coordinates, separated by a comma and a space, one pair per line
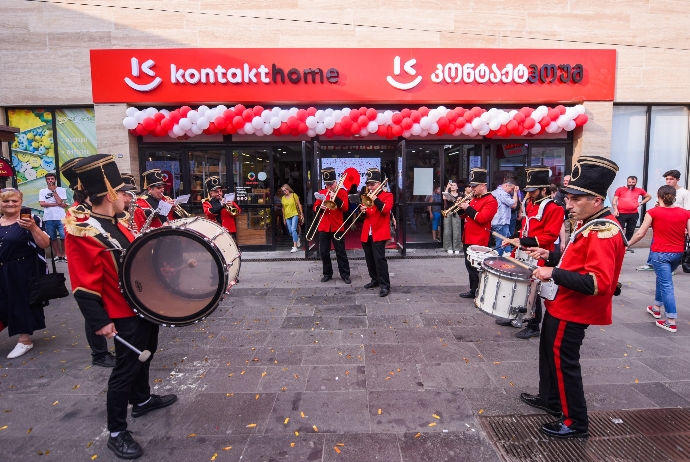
329, 75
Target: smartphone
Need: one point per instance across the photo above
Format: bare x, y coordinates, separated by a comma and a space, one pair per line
25, 212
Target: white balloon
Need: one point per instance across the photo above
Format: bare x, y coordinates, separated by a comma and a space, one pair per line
493, 111
560, 129
553, 126
284, 115
467, 129
337, 117
389, 116
363, 132
570, 126
259, 132
477, 123
293, 111
434, 128
329, 122
380, 119
197, 129
185, 123
457, 132
434, 115
211, 115
139, 116
320, 115
222, 108
311, 132
512, 113
241, 131
171, 134
345, 111
487, 117
320, 128
425, 123
249, 128
267, 115
562, 120
484, 130
177, 130
443, 110
267, 129
543, 109
275, 122
202, 110
494, 124
424, 133
257, 122
275, 111
131, 111
189, 133
536, 129
193, 116
406, 133
311, 121
203, 123
571, 113
130, 123
504, 118
580, 109
165, 112
416, 129
329, 112
474, 133
372, 126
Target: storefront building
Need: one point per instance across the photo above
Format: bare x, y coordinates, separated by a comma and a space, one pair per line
102, 106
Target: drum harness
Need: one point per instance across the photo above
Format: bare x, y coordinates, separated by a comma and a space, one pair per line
117, 247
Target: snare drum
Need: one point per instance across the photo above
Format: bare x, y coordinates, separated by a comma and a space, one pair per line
521, 255
177, 274
476, 254
506, 290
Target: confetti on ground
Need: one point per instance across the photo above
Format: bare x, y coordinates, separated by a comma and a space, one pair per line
481, 410
30, 429
229, 447
432, 424
292, 445
93, 457
214, 456
286, 420
2, 428
243, 372
263, 374
74, 388
636, 381
55, 403
302, 414
418, 434
257, 396
434, 415
193, 434
337, 450
379, 411
251, 425
511, 384
315, 429
347, 372
89, 445
340, 444
296, 433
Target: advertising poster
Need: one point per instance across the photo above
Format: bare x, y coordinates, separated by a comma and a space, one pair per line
359, 163
76, 135
33, 151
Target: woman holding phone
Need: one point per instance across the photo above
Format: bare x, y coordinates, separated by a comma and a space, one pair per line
21, 239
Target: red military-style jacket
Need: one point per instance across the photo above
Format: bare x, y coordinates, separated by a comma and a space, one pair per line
478, 218
140, 215
333, 219
377, 218
94, 274
540, 233
588, 275
216, 211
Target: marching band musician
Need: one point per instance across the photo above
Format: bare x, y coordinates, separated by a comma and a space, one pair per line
215, 206
147, 203
94, 279
330, 223
541, 227
478, 214
128, 179
375, 232
588, 279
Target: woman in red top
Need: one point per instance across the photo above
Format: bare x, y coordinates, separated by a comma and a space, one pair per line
670, 225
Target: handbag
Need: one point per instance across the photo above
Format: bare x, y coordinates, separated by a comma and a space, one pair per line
46, 287
685, 259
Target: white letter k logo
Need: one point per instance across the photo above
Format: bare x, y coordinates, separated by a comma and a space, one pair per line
146, 68
409, 69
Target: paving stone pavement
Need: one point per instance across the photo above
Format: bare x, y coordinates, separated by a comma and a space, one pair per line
292, 369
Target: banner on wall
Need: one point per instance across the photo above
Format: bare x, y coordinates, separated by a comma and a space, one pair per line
76, 134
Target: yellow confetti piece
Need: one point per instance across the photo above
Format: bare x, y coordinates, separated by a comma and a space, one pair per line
481, 410
387, 378
314, 427
296, 433
286, 420
55, 403
257, 396
89, 445
263, 374
336, 449
3, 427
193, 434
229, 447
636, 381
417, 435
93, 457
243, 372
30, 429
511, 384
302, 414
295, 375
340, 444
74, 388
347, 372
251, 425
214, 456
379, 411
497, 362
292, 445
434, 415
432, 424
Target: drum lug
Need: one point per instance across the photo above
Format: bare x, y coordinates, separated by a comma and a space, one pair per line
498, 287
486, 278
512, 295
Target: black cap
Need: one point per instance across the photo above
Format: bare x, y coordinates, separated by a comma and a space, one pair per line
152, 177
477, 176
67, 170
328, 174
373, 175
213, 183
592, 175
128, 178
99, 175
537, 177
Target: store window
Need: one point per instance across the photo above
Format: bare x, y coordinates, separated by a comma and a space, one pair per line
552, 157
252, 186
168, 162
668, 145
628, 144
511, 158
202, 165
423, 185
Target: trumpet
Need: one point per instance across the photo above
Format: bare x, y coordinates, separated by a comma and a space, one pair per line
234, 211
367, 202
177, 209
454, 208
330, 204
132, 208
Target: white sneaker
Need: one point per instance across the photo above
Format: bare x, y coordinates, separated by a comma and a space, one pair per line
645, 267
450, 252
457, 252
19, 350
294, 249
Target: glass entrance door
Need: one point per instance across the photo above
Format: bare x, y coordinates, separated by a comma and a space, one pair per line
310, 156
423, 201
253, 187
204, 164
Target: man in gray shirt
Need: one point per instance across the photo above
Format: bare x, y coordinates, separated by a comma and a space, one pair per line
506, 196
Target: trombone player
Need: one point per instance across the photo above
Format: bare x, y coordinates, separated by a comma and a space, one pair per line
376, 231
330, 222
218, 209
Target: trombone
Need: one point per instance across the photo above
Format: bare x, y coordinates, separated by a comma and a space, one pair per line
329, 204
367, 202
454, 208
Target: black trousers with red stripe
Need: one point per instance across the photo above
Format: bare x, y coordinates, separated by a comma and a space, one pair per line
560, 376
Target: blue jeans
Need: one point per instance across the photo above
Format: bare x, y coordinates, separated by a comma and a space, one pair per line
436, 220
513, 222
55, 229
664, 264
502, 230
649, 258
292, 227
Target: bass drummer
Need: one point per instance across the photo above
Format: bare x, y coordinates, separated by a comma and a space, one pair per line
541, 227
94, 278
478, 215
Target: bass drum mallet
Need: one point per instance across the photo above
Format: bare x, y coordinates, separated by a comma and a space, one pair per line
143, 355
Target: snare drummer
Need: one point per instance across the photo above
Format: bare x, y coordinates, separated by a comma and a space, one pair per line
478, 214
216, 207
541, 228
588, 278
94, 278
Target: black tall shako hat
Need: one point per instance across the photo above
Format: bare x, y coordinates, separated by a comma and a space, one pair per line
537, 177
67, 170
213, 183
128, 178
328, 175
152, 177
99, 175
592, 175
373, 175
478, 176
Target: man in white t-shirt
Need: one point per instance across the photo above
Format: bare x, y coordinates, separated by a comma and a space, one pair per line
53, 199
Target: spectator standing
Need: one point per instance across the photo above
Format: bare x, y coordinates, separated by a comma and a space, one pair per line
435, 213
53, 199
506, 196
452, 237
515, 213
670, 225
626, 205
291, 216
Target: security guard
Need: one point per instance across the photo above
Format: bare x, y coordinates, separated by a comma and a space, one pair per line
154, 185
332, 220
216, 208
587, 276
478, 215
94, 247
375, 232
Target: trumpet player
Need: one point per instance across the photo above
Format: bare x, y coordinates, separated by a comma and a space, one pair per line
376, 231
332, 220
125, 218
478, 214
154, 185
218, 209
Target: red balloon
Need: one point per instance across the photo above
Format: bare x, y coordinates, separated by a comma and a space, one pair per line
543, 129
442, 122
424, 111
477, 111
329, 133
346, 132
354, 115
519, 130
284, 128
160, 131
440, 133
294, 132
224, 131
167, 124
159, 116
450, 129
258, 110
220, 122
389, 132
406, 123
302, 116
372, 114
397, 119
459, 110
302, 127
293, 122
338, 129
231, 129
363, 110
397, 130
460, 122
561, 109
248, 115
238, 122
451, 116
184, 110
141, 130
277, 132
363, 121
239, 109
502, 130
405, 113
527, 111
355, 128
490, 134
149, 123
174, 116
545, 121
512, 125
554, 114
207, 132
212, 128
228, 115
469, 116
311, 111
346, 122
519, 117
382, 130
581, 120
529, 123
416, 116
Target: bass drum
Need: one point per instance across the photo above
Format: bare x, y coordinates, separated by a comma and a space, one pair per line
177, 274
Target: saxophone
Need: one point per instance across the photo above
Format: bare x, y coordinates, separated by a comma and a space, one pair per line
148, 221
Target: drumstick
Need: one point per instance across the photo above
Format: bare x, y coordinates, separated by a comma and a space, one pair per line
143, 355
518, 262
508, 239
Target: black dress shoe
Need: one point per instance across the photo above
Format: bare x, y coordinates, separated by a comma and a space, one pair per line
558, 429
536, 402
347, 280
326, 278
371, 285
469, 294
504, 322
107, 360
384, 292
156, 402
124, 446
528, 332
